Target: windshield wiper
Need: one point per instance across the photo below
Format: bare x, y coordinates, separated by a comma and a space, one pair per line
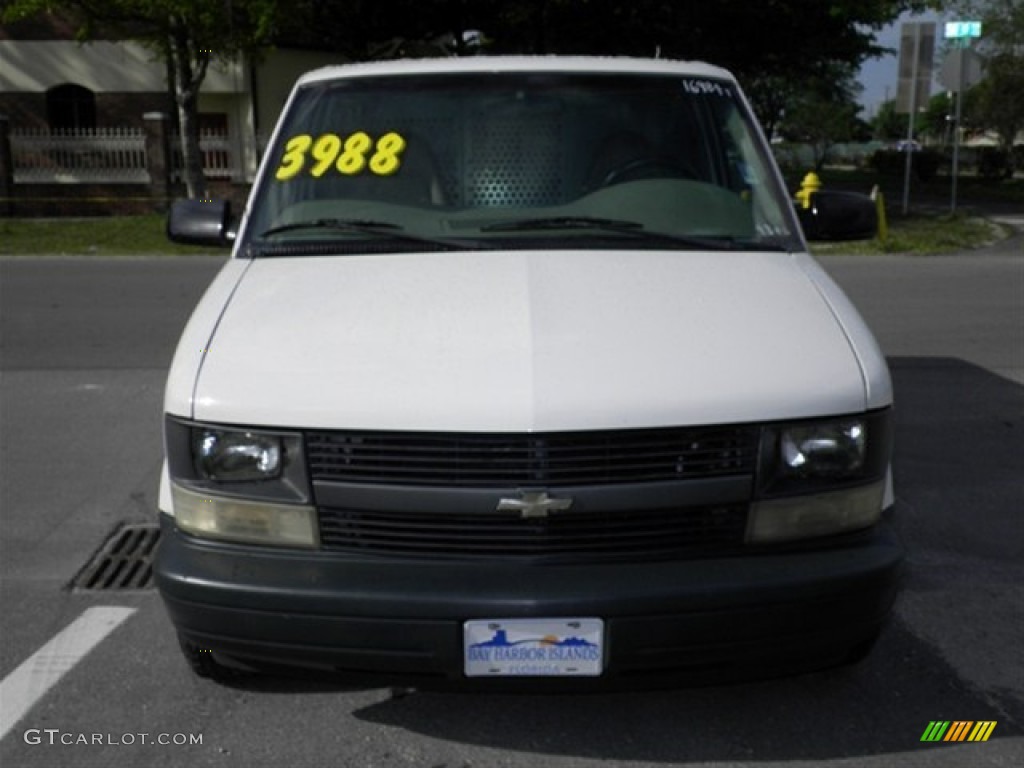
383, 229
563, 222
344, 225
631, 228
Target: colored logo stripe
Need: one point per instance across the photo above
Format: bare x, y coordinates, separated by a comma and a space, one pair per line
958, 730
982, 730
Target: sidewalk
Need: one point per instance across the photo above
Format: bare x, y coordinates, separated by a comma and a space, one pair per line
1014, 221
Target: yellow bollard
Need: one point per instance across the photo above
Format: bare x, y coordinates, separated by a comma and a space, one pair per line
883, 224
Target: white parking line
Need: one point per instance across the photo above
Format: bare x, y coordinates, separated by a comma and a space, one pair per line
37, 674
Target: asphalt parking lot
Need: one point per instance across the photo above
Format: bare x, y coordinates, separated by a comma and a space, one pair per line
84, 351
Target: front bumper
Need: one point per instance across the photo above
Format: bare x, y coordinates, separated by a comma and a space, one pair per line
400, 622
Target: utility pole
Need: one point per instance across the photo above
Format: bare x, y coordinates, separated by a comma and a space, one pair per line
956, 127
955, 69
909, 147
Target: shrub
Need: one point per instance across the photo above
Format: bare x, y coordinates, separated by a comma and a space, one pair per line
1018, 157
891, 162
994, 163
926, 164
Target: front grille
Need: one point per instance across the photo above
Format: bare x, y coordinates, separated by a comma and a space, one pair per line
523, 460
570, 536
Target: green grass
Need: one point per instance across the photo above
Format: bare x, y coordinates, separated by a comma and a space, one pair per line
923, 235
108, 236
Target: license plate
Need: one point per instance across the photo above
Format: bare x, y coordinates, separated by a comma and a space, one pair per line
534, 648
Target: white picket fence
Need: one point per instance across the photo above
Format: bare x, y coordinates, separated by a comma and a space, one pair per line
216, 149
110, 156
100, 155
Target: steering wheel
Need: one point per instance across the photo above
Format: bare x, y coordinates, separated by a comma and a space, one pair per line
648, 168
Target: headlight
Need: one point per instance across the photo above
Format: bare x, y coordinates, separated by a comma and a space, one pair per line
239, 456
822, 477
237, 484
829, 450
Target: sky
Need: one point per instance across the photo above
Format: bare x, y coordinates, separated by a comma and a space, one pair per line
877, 75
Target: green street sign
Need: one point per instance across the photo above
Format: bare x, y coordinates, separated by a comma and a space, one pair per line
957, 30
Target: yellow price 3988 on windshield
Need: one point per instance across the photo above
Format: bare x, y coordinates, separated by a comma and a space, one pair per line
348, 156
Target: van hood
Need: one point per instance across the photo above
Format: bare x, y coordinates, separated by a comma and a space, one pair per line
526, 341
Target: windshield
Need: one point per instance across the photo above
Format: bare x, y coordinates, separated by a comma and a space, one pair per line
521, 160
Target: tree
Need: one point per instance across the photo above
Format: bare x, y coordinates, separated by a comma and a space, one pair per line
362, 30
889, 125
188, 34
1000, 98
824, 112
771, 96
779, 37
935, 123
774, 47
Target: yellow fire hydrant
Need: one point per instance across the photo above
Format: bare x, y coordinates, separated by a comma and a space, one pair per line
808, 187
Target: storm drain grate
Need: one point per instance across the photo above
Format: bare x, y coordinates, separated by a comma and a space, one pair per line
125, 561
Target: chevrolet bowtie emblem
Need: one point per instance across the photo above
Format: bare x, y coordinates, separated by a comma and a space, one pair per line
533, 504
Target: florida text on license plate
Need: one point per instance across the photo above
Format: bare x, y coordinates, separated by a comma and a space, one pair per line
534, 647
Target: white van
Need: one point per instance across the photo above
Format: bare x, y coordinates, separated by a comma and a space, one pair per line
520, 374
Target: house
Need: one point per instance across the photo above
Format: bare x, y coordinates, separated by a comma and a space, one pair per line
53, 89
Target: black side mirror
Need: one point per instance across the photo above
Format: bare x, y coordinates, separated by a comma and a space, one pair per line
201, 222
839, 216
